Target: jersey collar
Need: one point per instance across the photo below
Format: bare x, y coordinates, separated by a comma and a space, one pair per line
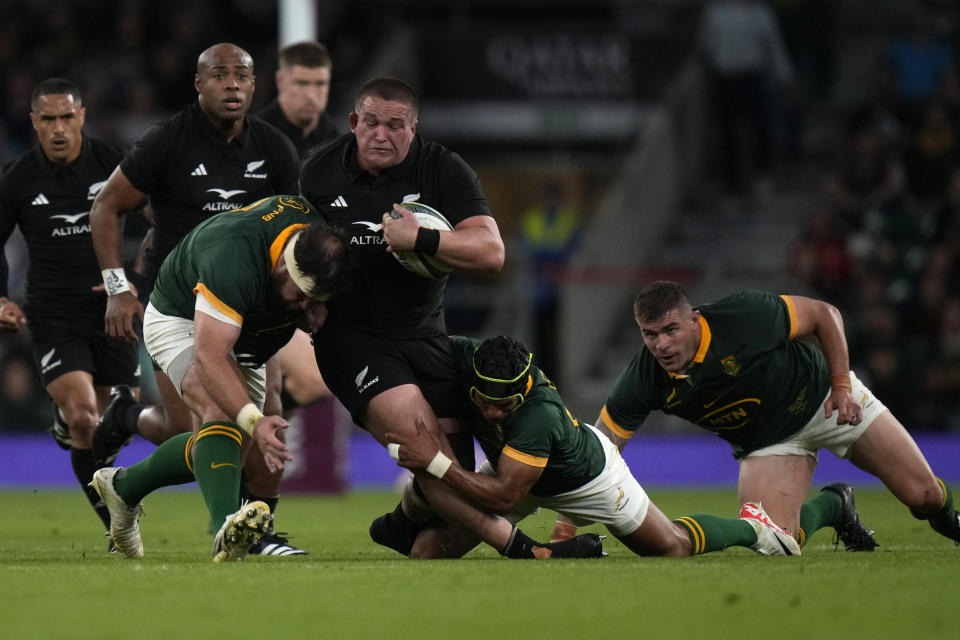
215, 136
356, 174
75, 167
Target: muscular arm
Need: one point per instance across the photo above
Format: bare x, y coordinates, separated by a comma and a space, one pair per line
495, 494
823, 321
473, 245
116, 198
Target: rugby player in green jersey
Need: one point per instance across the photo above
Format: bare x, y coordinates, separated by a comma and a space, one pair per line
227, 298
743, 368
539, 455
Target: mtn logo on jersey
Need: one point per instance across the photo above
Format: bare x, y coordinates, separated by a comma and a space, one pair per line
45, 363
199, 171
339, 202
71, 228
361, 386
253, 166
94, 189
40, 200
366, 239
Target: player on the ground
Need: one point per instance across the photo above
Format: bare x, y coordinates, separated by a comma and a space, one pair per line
743, 368
540, 455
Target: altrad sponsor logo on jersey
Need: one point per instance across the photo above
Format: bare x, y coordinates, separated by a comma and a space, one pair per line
373, 227
224, 204
252, 167
71, 228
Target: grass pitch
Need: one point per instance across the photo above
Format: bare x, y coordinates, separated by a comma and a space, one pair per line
59, 582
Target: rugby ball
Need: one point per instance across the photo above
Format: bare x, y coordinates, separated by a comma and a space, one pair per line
418, 263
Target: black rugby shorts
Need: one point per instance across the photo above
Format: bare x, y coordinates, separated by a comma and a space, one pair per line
357, 366
60, 349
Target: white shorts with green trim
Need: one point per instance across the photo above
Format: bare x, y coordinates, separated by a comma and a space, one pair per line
614, 498
169, 341
825, 433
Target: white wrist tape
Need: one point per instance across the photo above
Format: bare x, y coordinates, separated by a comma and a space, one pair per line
439, 465
248, 417
394, 450
115, 281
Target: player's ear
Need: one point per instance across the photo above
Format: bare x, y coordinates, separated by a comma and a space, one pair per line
354, 120
196, 82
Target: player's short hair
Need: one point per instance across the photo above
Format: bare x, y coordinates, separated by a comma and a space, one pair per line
56, 86
306, 54
658, 299
392, 89
501, 367
323, 254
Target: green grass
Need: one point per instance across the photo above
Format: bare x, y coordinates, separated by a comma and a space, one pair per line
57, 581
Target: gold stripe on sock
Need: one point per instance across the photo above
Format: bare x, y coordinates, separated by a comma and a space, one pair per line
801, 537
943, 489
186, 453
221, 430
699, 539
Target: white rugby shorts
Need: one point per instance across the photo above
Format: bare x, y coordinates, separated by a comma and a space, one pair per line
614, 498
825, 433
169, 341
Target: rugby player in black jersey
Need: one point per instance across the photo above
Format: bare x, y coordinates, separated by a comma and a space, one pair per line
303, 88
210, 157
47, 193
384, 351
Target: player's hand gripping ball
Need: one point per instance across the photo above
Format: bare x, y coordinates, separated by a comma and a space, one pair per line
419, 263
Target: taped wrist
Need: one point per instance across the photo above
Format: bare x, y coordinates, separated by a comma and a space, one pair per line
115, 281
840, 381
248, 417
439, 465
428, 241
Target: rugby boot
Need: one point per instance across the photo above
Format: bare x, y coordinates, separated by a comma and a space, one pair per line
850, 530
771, 539
124, 519
240, 531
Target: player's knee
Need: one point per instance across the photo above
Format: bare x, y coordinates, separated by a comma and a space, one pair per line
81, 419
923, 499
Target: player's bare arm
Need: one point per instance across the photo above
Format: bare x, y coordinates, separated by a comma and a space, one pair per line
473, 245
116, 198
224, 384
496, 494
823, 321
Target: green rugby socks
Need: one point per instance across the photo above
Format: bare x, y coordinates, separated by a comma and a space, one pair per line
713, 533
168, 465
216, 463
823, 510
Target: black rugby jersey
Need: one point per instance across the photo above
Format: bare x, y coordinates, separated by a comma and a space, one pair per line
51, 205
190, 172
386, 298
324, 131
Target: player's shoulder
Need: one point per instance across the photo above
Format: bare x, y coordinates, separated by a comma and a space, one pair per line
25, 164
329, 152
743, 301
105, 153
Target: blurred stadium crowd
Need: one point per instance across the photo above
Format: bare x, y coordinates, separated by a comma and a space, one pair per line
884, 244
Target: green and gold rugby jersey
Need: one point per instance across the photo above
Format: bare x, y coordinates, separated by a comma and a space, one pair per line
541, 432
752, 383
228, 259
